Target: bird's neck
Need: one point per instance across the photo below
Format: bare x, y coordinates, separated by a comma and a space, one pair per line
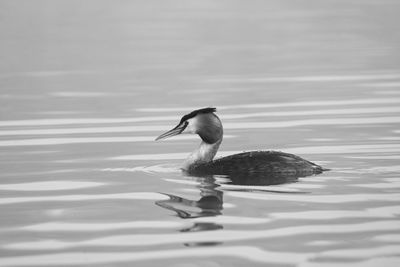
203, 154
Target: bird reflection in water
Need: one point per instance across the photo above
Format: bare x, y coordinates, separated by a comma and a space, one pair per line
209, 204
211, 200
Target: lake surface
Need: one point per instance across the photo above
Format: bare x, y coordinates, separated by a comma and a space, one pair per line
85, 87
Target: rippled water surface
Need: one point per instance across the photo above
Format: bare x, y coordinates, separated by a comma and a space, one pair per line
85, 87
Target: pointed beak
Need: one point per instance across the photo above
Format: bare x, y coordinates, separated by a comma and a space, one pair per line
177, 130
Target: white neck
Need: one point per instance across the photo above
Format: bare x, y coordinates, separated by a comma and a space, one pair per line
203, 154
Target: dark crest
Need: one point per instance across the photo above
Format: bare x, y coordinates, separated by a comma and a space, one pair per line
195, 112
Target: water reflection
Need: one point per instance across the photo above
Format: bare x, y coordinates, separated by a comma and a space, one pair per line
210, 203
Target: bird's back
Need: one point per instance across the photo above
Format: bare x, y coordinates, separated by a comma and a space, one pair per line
260, 164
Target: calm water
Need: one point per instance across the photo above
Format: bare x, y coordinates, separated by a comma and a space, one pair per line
85, 87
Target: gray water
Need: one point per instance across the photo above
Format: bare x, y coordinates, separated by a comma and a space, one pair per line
86, 86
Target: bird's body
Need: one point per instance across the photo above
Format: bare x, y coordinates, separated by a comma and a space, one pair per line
260, 164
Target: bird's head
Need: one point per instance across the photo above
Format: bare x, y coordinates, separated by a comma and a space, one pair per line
202, 122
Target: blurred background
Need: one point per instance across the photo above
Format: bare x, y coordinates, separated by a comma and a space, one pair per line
107, 58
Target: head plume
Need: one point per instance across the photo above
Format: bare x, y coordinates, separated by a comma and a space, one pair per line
194, 113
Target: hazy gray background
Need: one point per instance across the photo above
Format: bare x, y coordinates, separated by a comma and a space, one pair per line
192, 53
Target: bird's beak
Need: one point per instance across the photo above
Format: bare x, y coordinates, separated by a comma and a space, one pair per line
177, 130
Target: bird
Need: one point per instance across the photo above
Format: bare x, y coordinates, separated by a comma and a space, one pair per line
252, 167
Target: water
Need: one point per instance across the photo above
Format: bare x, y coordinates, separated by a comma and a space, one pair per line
86, 87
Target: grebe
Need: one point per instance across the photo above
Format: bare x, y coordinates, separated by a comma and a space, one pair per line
265, 164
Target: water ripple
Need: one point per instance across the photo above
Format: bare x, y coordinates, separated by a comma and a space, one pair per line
162, 168
352, 102
361, 253
208, 236
381, 212
314, 112
91, 258
324, 103
322, 78
49, 185
393, 238
136, 195
312, 122
307, 198
227, 125
96, 227
382, 261
82, 140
